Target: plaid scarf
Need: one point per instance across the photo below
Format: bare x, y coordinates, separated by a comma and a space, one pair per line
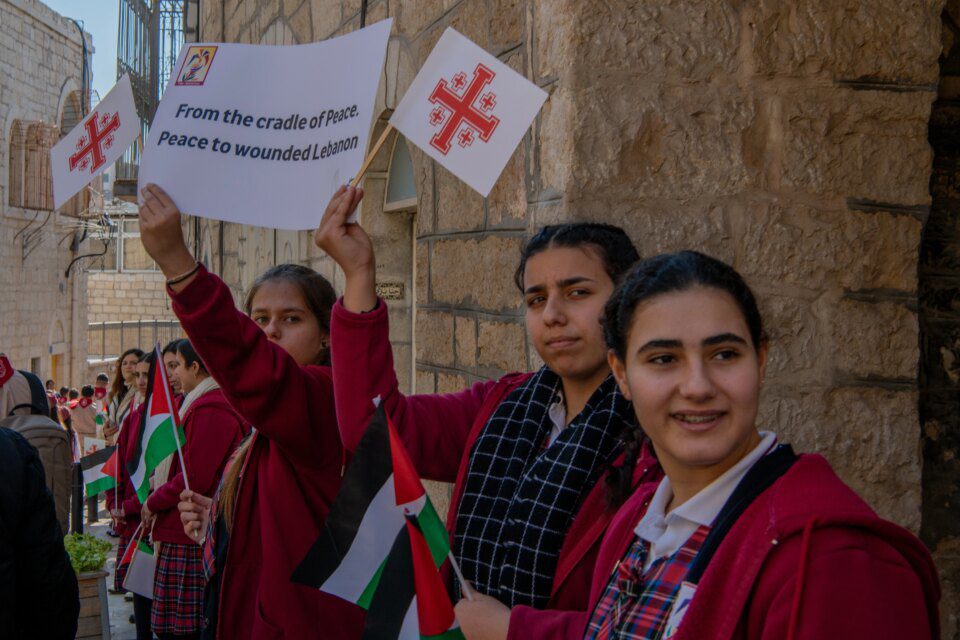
520, 497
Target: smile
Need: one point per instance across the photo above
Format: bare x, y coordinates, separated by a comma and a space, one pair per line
699, 421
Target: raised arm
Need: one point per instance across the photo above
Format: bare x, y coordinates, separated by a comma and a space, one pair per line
434, 428
289, 404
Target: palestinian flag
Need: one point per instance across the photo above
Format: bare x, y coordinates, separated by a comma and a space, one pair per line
137, 545
364, 553
160, 433
99, 471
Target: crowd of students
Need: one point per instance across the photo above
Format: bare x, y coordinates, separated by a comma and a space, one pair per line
623, 490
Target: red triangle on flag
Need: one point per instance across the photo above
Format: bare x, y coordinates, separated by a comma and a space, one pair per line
110, 466
433, 604
406, 481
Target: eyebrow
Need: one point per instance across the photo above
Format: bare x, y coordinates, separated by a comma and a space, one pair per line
537, 288
677, 344
287, 310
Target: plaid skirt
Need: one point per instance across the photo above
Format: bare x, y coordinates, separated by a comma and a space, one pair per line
119, 573
178, 590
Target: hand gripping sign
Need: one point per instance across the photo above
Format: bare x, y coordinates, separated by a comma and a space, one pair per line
96, 143
264, 135
467, 110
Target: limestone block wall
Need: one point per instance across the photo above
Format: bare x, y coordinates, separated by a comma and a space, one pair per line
788, 138
43, 318
127, 296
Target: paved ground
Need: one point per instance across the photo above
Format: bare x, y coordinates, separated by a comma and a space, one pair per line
120, 610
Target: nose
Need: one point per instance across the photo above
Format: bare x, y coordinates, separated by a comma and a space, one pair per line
272, 329
553, 311
697, 385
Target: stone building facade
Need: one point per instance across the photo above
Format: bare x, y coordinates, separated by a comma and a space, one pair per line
44, 314
791, 139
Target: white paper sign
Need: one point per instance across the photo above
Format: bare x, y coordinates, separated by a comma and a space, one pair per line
467, 110
264, 135
94, 144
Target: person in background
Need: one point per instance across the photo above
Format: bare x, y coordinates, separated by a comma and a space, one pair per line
100, 392
38, 588
83, 420
171, 363
51, 385
122, 392
63, 395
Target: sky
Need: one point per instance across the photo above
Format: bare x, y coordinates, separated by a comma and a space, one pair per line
100, 19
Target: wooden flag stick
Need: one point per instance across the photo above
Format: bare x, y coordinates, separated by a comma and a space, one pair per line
464, 586
373, 153
174, 416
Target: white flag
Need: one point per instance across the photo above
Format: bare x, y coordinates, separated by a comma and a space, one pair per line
96, 143
467, 110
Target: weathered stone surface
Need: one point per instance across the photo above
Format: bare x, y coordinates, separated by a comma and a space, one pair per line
465, 329
796, 353
326, 18
415, 15
426, 381
459, 208
555, 36
423, 274
440, 495
556, 143
675, 40
888, 40
301, 23
875, 339
401, 359
507, 201
812, 247
470, 18
435, 338
860, 144
475, 273
665, 142
501, 345
451, 382
507, 22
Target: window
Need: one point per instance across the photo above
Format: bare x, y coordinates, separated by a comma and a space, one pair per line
124, 249
38, 181
15, 176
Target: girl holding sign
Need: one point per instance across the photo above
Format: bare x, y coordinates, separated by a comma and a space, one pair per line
742, 539
534, 457
212, 430
271, 365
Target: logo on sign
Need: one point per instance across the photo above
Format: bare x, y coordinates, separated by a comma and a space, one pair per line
462, 108
196, 65
98, 136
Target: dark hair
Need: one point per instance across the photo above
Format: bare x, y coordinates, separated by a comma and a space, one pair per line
102, 377
171, 346
74, 394
86, 391
64, 391
189, 355
666, 273
119, 386
49, 383
147, 357
316, 290
611, 242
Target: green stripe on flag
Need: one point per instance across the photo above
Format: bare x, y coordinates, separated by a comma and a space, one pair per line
367, 595
434, 532
451, 634
98, 486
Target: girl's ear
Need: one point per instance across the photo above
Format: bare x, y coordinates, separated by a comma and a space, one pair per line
619, 373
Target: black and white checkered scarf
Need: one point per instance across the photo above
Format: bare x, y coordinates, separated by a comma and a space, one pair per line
520, 498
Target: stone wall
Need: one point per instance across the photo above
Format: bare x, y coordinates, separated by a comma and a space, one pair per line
43, 319
788, 138
127, 296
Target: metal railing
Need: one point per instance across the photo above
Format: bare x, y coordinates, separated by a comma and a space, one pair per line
107, 340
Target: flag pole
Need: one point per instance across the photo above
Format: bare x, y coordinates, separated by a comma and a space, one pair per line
464, 585
175, 414
373, 153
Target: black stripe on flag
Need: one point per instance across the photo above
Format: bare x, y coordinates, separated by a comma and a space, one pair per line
134, 461
96, 458
394, 593
370, 468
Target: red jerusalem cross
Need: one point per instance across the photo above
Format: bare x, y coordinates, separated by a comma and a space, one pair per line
90, 145
463, 111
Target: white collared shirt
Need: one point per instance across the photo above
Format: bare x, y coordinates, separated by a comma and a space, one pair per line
557, 412
667, 532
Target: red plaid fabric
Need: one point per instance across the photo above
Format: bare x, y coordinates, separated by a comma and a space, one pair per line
178, 590
636, 604
120, 572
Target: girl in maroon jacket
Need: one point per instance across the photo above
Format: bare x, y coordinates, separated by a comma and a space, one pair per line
212, 430
532, 456
123, 504
275, 495
742, 539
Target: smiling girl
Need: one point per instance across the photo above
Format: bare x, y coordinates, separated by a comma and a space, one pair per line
531, 455
742, 539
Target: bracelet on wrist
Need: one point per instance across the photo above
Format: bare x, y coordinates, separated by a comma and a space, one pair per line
182, 277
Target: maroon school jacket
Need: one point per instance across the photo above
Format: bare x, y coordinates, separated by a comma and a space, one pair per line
212, 430
125, 495
859, 576
439, 431
289, 480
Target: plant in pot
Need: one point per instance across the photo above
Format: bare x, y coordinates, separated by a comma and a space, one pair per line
88, 555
